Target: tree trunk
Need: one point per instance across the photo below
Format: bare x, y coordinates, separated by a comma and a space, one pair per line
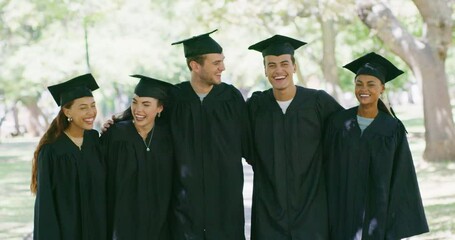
426, 58
33, 125
329, 65
17, 125
87, 55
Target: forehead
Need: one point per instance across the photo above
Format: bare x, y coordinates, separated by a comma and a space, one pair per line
144, 99
213, 57
367, 78
84, 100
277, 59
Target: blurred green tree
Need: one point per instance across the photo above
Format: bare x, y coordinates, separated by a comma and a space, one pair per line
426, 55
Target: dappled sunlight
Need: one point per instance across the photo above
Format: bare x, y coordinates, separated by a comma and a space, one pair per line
436, 181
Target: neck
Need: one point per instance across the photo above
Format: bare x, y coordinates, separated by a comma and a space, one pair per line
200, 86
144, 130
285, 94
74, 132
367, 111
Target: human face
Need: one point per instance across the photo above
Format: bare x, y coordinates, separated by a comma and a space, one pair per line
83, 112
279, 70
210, 71
144, 111
368, 89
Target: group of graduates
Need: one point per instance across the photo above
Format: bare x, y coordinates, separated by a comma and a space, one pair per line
170, 165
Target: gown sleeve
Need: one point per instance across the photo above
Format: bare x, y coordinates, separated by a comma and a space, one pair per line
110, 166
406, 216
46, 222
251, 106
246, 131
327, 106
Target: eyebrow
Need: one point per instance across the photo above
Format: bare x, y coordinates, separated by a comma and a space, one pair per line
369, 81
86, 104
284, 61
134, 99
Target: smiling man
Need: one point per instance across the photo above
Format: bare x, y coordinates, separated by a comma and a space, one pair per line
209, 124
287, 121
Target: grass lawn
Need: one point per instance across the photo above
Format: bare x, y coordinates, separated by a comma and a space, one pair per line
437, 184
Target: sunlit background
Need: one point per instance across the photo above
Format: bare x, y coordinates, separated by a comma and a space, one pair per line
43, 42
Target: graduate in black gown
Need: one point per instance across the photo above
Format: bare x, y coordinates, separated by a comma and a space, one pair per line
209, 129
372, 185
67, 173
139, 157
289, 195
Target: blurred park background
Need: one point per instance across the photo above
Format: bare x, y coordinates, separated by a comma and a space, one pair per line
43, 42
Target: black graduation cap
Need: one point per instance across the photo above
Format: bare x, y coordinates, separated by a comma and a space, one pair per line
151, 87
375, 65
200, 45
277, 45
81, 86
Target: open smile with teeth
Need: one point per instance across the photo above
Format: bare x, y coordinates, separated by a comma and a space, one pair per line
89, 120
139, 117
278, 78
364, 95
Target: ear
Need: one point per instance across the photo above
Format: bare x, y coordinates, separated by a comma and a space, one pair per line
195, 66
160, 108
67, 112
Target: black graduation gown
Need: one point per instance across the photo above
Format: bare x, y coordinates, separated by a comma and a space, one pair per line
139, 182
372, 185
70, 201
289, 197
208, 139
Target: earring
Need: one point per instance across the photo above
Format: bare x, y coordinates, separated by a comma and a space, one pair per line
70, 119
159, 114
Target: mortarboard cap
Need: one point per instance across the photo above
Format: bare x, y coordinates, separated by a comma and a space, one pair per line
200, 45
277, 45
374, 65
150, 87
81, 86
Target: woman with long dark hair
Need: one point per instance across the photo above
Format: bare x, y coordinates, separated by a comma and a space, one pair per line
371, 181
67, 171
139, 159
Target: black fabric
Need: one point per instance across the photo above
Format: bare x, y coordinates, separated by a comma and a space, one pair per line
151, 87
375, 65
277, 45
70, 201
200, 45
372, 186
81, 86
139, 182
210, 138
289, 196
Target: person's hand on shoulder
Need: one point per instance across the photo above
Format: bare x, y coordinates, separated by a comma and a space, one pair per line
107, 124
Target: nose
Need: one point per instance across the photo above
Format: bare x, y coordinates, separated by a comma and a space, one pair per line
222, 67
93, 111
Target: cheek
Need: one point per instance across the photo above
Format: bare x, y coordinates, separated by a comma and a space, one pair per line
150, 110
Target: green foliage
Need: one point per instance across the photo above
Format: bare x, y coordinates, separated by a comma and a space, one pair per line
43, 41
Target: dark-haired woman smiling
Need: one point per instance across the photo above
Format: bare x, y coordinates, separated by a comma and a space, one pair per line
371, 181
67, 173
139, 159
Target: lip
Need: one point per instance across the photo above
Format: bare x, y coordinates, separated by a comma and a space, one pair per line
139, 117
89, 120
279, 78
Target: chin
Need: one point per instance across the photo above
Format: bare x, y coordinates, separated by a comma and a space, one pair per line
88, 126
